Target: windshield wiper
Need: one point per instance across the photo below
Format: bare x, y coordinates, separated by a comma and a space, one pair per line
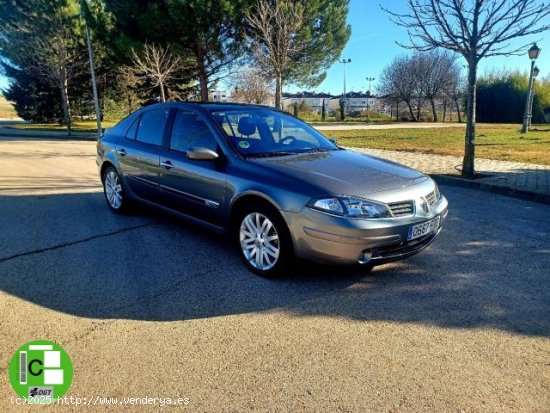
269, 154
313, 150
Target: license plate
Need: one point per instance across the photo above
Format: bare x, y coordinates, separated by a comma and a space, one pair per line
419, 230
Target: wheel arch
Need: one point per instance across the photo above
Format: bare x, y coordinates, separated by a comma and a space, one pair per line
106, 164
249, 198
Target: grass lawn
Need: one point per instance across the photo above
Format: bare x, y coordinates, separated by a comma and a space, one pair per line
78, 126
6, 109
493, 141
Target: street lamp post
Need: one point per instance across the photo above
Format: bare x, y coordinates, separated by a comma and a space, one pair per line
369, 79
535, 74
345, 62
533, 53
84, 11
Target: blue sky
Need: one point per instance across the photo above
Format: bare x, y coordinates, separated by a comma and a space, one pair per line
372, 47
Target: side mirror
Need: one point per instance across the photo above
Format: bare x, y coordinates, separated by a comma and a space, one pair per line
202, 154
333, 141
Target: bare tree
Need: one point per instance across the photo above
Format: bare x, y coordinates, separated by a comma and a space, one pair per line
276, 45
475, 29
440, 69
252, 86
420, 72
454, 89
398, 80
128, 84
158, 65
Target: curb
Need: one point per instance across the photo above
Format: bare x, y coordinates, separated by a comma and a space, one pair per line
503, 190
47, 137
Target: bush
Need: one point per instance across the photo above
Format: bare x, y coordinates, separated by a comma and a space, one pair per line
501, 97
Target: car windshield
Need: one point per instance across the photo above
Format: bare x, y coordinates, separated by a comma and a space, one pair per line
258, 132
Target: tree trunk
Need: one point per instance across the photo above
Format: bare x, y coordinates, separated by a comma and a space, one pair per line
279, 92
64, 88
397, 112
469, 140
434, 113
342, 110
418, 110
458, 111
201, 69
444, 110
411, 110
162, 95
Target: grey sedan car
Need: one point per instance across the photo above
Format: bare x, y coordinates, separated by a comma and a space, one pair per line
275, 184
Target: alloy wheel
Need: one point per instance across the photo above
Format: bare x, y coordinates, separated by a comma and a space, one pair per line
113, 189
259, 241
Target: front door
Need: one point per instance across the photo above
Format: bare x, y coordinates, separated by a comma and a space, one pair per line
194, 187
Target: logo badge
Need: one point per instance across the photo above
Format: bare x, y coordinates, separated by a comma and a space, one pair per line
41, 370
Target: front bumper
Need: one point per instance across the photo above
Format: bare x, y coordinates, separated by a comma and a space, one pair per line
334, 239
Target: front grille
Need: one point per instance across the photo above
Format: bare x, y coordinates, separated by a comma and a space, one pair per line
402, 209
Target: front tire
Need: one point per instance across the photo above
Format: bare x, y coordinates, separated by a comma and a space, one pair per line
264, 241
114, 192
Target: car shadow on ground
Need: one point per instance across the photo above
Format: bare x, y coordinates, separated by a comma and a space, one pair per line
68, 253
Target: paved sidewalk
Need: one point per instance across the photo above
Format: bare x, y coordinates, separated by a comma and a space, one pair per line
512, 177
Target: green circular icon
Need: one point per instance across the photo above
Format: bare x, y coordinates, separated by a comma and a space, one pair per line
244, 144
40, 371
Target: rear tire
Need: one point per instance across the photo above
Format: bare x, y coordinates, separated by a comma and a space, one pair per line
263, 240
114, 191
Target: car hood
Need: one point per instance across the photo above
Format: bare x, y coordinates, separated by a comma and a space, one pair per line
344, 172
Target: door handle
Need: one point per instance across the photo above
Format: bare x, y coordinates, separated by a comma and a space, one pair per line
167, 164
121, 151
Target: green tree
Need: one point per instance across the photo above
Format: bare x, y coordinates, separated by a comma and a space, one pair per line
295, 42
34, 99
44, 38
210, 31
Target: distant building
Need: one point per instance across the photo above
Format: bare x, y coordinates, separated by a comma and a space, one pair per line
218, 96
354, 102
314, 101
360, 102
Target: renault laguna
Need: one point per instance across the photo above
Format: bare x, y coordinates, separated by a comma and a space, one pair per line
278, 187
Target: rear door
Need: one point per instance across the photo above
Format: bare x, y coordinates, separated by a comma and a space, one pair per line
194, 187
139, 153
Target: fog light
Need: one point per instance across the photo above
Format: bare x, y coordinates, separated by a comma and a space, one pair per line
365, 257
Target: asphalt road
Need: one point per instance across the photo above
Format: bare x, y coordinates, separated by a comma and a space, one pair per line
147, 305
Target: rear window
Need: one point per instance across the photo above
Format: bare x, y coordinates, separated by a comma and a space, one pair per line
151, 126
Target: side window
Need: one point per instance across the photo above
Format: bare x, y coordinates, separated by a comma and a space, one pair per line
151, 126
190, 131
131, 133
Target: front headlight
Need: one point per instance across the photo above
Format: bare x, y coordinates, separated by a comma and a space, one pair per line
437, 193
351, 207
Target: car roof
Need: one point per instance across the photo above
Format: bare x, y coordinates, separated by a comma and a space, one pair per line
211, 106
